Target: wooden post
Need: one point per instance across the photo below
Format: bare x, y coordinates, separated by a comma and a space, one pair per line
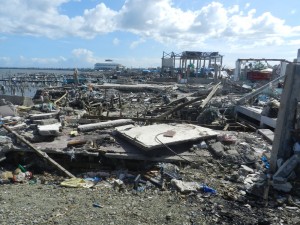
120, 103
39, 152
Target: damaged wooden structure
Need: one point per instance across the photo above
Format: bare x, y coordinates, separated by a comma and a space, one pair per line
189, 60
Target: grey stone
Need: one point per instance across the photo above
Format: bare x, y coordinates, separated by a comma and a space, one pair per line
217, 149
232, 152
245, 170
7, 110
185, 187
234, 176
169, 216
250, 158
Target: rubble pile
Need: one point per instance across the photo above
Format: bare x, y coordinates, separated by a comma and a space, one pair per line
149, 154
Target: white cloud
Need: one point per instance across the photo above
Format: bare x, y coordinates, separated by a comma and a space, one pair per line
47, 61
294, 42
5, 60
293, 11
134, 44
116, 41
85, 55
233, 9
160, 20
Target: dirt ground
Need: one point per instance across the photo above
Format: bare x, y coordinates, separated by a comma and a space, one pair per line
52, 204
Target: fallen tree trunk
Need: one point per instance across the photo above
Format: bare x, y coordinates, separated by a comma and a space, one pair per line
103, 125
39, 152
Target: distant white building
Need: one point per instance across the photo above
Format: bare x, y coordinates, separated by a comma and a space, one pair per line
108, 66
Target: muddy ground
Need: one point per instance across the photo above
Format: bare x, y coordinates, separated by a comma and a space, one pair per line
47, 202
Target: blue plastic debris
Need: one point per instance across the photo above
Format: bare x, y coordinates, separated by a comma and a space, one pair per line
265, 161
207, 189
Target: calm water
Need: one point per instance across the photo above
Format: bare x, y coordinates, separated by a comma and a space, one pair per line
27, 89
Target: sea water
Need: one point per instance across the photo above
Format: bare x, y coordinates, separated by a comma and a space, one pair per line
27, 89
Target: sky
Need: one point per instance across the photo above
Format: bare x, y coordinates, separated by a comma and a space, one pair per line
135, 33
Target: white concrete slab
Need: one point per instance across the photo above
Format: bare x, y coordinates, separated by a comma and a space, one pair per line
267, 133
49, 130
150, 137
271, 122
252, 112
255, 113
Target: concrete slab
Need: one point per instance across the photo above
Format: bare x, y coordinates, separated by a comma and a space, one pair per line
252, 112
151, 137
271, 122
255, 113
267, 134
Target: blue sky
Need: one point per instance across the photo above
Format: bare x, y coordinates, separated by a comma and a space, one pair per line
79, 33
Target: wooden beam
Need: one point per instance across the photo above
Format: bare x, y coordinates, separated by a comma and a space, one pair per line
39, 152
257, 91
178, 107
210, 95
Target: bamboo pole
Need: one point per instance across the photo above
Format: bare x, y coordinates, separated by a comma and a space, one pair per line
39, 152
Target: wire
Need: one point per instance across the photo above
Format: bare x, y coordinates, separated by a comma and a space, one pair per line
157, 139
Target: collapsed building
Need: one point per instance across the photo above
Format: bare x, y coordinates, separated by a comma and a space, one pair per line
243, 139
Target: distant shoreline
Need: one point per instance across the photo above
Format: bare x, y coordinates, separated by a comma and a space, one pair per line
44, 68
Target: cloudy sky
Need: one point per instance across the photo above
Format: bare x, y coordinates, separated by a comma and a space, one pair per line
79, 33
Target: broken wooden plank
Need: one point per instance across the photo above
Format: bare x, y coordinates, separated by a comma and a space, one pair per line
76, 143
258, 91
62, 97
39, 152
43, 116
226, 127
210, 95
178, 107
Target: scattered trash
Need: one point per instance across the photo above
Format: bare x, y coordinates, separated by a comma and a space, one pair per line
96, 205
